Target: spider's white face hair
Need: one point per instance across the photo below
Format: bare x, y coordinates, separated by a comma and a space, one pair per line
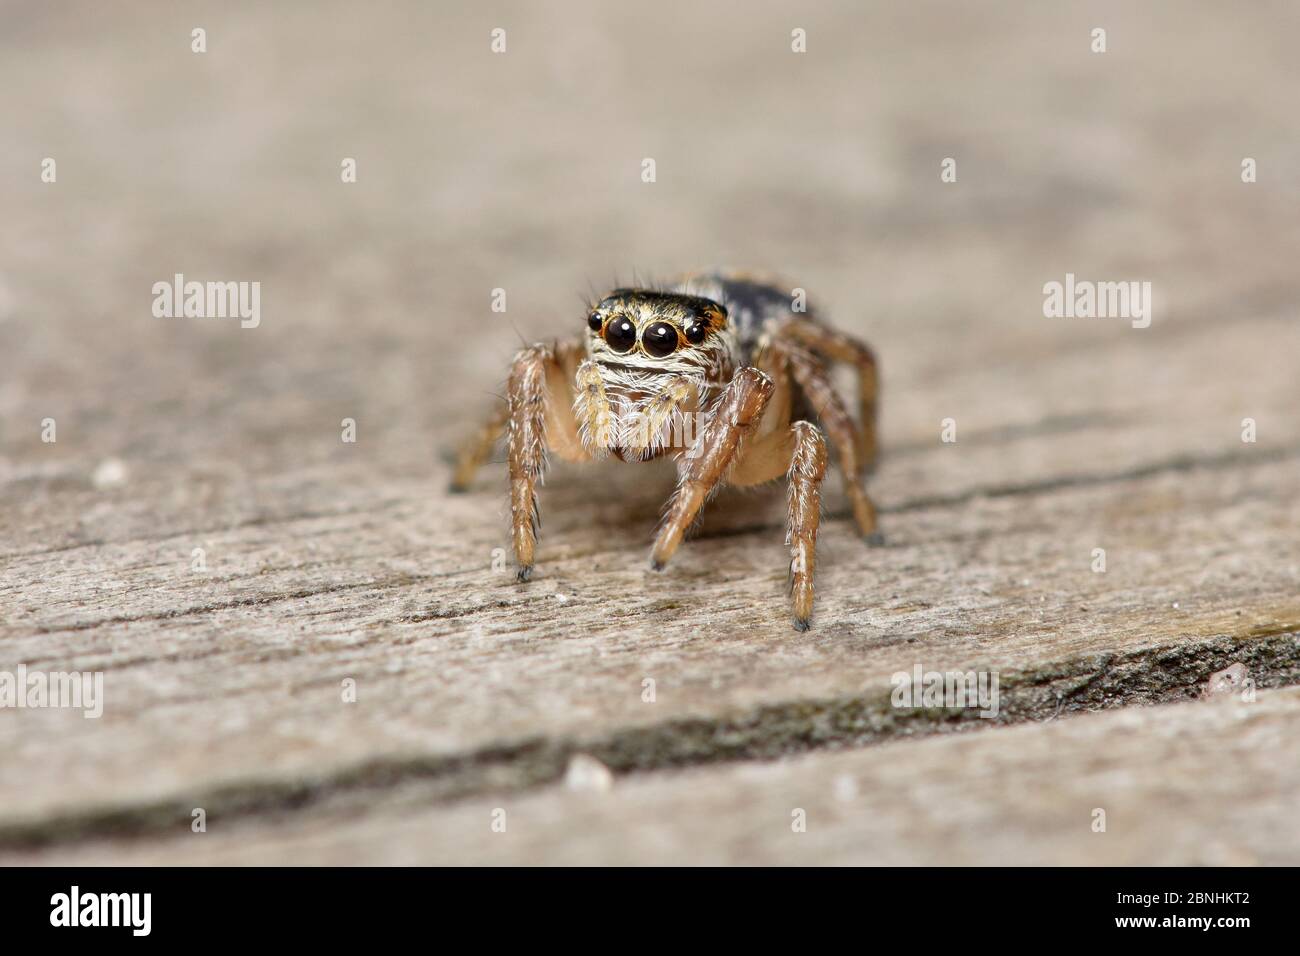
658, 355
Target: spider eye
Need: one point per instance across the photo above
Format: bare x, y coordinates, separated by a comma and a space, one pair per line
695, 332
594, 322
660, 339
620, 334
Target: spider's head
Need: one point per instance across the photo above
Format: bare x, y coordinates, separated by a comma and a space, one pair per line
657, 354
639, 330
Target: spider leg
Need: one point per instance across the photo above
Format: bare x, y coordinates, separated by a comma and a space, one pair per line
807, 469
475, 452
541, 416
844, 348
798, 451
739, 409
812, 376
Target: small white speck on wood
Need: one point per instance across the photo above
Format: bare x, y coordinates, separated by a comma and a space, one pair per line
1227, 681
846, 788
586, 774
109, 473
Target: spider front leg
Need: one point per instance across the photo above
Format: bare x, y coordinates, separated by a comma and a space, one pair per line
798, 451
739, 409
541, 415
807, 469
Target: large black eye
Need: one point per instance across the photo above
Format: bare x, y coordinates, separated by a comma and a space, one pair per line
620, 334
695, 332
660, 339
594, 321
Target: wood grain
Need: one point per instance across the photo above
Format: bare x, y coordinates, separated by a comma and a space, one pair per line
329, 561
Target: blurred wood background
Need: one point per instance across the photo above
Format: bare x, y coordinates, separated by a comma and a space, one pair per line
329, 561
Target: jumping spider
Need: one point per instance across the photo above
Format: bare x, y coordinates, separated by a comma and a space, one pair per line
720, 373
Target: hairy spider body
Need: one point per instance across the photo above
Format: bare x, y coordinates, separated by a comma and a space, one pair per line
721, 373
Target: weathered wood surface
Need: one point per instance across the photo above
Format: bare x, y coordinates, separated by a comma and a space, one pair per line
329, 561
1189, 783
